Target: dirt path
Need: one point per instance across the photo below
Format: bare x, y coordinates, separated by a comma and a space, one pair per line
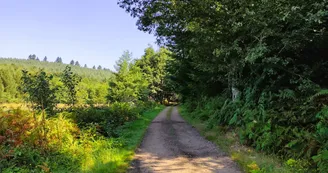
172, 145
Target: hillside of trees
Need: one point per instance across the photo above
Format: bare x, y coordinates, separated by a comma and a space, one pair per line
79, 137
93, 87
258, 67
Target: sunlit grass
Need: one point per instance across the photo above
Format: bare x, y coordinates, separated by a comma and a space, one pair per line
24, 106
57, 144
114, 155
169, 113
248, 159
10, 106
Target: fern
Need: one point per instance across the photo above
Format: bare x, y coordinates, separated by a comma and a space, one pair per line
322, 160
286, 94
321, 93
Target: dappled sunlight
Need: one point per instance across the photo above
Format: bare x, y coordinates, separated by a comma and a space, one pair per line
105, 160
180, 163
172, 145
66, 146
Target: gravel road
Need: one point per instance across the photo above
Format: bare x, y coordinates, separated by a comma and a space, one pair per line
172, 145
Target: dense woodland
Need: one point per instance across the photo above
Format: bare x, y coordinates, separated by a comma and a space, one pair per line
259, 67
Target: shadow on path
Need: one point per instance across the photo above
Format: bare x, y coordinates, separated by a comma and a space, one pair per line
172, 145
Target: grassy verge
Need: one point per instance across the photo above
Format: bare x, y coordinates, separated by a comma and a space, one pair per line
118, 158
249, 160
169, 113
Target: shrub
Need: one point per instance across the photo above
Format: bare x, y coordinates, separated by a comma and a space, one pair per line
277, 123
65, 142
28, 144
106, 120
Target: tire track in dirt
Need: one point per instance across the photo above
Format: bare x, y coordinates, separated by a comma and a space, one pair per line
172, 145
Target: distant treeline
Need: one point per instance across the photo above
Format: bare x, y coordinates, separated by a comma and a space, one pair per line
60, 61
142, 79
92, 89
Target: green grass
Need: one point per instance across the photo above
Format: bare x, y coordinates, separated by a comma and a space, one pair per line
116, 157
169, 113
249, 160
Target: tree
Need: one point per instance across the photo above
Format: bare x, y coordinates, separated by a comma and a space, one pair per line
11, 72
99, 93
153, 66
126, 56
99, 67
129, 84
37, 58
77, 63
8, 83
59, 60
72, 62
38, 91
94, 67
217, 48
85, 66
32, 57
70, 81
45, 59
264, 59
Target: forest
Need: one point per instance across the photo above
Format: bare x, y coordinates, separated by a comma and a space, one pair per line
76, 119
11, 72
257, 67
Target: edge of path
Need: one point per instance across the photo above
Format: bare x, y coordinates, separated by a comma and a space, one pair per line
133, 134
248, 159
185, 151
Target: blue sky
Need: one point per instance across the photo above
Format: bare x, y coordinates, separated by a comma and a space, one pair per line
94, 32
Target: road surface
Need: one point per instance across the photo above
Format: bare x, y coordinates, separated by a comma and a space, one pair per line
172, 145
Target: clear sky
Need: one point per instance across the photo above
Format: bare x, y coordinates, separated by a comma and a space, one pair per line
94, 32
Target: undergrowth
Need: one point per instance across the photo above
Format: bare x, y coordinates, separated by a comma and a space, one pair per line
248, 159
280, 124
73, 140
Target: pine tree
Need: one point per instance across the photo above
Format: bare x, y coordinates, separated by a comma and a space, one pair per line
85, 66
70, 81
72, 62
32, 57
59, 60
45, 59
37, 58
129, 84
77, 63
99, 67
94, 67
127, 56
